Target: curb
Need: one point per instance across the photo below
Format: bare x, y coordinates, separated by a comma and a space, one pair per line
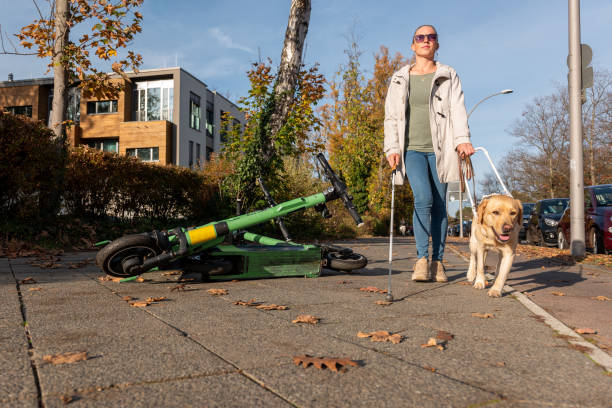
596, 354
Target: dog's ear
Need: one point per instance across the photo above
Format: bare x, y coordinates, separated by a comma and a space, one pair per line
480, 211
519, 208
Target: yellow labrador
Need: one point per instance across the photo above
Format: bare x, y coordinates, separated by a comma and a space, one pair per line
495, 228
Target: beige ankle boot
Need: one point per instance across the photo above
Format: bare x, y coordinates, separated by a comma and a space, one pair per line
421, 271
437, 271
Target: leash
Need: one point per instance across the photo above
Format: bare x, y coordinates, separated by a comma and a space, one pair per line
466, 172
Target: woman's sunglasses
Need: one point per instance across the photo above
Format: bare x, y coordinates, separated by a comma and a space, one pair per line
421, 37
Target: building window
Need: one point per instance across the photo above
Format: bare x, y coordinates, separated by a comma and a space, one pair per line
105, 145
194, 111
198, 155
73, 108
190, 154
210, 116
147, 154
153, 100
236, 125
99, 107
20, 110
209, 152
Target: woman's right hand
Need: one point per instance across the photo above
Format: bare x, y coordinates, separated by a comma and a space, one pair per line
394, 160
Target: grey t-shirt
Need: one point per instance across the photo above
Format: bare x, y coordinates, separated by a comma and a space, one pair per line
418, 132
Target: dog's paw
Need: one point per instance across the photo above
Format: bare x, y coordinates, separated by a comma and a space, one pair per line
494, 293
471, 276
479, 285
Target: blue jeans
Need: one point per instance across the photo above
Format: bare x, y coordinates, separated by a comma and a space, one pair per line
429, 216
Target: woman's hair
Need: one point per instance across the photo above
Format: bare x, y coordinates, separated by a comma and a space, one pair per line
421, 26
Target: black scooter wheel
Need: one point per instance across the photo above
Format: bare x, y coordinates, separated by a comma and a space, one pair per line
340, 262
119, 257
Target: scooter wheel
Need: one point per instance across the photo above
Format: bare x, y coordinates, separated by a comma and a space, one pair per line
340, 262
119, 257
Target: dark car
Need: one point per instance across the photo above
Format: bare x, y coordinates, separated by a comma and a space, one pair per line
527, 209
467, 227
597, 220
543, 221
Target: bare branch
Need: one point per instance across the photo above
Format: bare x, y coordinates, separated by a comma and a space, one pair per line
14, 52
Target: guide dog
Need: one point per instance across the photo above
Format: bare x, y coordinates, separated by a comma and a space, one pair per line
495, 228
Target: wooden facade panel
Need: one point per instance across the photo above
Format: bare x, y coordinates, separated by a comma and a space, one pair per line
104, 125
23, 96
147, 134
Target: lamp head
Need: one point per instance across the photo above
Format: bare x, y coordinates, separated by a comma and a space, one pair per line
507, 91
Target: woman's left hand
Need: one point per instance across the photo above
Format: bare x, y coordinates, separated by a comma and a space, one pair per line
465, 150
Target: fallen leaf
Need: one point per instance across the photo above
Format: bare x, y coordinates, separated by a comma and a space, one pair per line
557, 293
601, 298
217, 292
140, 304
381, 336
433, 370
373, 289
127, 298
156, 299
483, 315
65, 358
34, 289
334, 364
310, 319
432, 342
383, 302
444, 335
27, 281
178, 288
344, 282
272, 307
140, 279
187, 280
586, 331
67, 399
234, 281
580, 348
501, 364
250, 303
171, 273
107, 278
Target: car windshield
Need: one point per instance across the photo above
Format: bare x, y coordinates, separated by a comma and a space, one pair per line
528, 208
603, 195
553, 206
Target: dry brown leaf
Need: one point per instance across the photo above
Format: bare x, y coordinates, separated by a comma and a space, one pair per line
67, 399
501, 364
483, 315
557, 293
34, 289
334, 364
140, 279
272, 306
65, 358
217, 292
586, 331
156, 299
433, 370
27, 281
310, 319
381, 335
140, 304
444, 335
187, 280
383, 302
250, 303
432, 342
127, 298
373, 289
107, 278
171, 273
178, 288
600, 298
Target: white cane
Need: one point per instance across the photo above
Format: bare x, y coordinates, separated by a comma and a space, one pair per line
389, 296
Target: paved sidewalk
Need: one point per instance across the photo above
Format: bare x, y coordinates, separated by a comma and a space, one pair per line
195, 349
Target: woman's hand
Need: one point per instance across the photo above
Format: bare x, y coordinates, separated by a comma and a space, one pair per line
465, 150
393, 160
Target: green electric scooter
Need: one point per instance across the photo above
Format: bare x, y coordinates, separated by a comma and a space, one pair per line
206, 249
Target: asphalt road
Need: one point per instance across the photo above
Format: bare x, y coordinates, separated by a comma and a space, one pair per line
196, 349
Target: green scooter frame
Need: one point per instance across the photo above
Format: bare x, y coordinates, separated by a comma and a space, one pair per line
202, 248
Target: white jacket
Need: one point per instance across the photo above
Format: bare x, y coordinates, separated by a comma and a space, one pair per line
447, 119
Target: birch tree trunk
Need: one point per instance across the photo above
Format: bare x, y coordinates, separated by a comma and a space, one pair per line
291, 61
60, 73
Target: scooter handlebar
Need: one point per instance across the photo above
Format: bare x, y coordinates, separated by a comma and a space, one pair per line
340, 189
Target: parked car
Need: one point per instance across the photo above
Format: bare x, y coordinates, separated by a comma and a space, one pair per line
543, 221
467, 227
527, 209
597, 220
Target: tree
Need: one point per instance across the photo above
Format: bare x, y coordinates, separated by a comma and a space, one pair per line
107, 26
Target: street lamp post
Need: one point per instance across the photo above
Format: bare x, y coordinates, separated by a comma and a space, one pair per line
503, 92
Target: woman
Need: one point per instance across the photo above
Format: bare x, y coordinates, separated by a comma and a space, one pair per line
425, 130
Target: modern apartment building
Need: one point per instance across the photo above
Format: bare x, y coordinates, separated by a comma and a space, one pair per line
162, 115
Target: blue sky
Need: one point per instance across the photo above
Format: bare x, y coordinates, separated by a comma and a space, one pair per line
493, 45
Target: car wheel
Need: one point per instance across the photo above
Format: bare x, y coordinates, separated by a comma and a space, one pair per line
596, 241
561, 241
